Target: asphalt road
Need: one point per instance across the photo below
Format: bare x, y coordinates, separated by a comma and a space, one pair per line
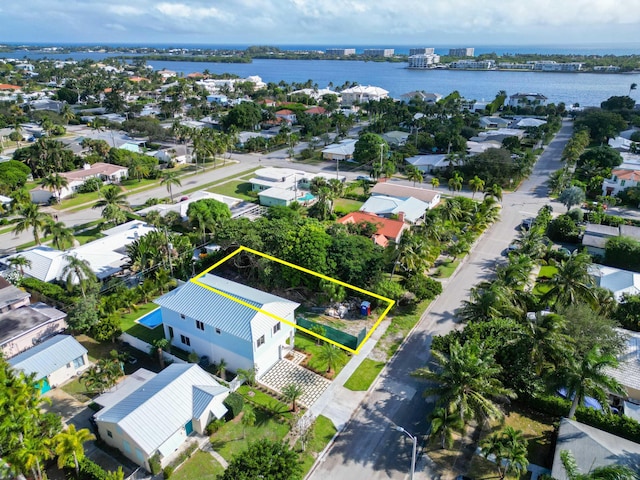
368, 447
243, 162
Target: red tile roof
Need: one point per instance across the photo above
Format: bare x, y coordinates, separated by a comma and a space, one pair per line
316, 111
624, 174
387, 227
284, 112
6, 86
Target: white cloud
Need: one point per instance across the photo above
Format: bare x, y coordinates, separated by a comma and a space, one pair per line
323, 21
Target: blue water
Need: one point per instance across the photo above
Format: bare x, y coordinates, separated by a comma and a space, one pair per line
586, 89
151, 319
307, 197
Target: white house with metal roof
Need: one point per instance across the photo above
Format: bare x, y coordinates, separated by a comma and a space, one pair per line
246, 335
53, 361
155, 413
616, 280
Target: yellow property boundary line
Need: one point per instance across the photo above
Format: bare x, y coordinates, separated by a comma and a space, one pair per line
390, 303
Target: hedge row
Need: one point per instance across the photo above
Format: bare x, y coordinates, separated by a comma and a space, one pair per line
619, 425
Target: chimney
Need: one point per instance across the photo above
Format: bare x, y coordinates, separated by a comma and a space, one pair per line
401, 216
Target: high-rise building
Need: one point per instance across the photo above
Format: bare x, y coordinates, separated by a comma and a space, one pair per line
378, 52
421, 51
340, 52
462, 52
423, 60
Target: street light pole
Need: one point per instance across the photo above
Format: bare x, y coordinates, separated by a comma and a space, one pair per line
414, 439
381, 151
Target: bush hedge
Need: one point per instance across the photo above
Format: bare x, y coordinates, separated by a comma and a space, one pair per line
90, 470
234, 402
619, 425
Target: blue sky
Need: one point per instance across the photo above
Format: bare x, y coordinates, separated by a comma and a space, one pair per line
322, 22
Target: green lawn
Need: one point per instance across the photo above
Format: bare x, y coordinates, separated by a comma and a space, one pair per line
342, 206
77, 389
201, 465
447, 268
364, 375
265, 400
309, 345
230, 438
547, 271
129, 325
323, 433
234, 188
401, 323
77, 200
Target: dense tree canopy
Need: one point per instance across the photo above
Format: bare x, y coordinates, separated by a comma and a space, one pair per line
370, 148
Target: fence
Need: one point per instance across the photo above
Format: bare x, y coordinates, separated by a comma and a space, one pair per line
331, 333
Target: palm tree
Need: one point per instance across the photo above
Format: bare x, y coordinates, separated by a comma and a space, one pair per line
586, 377
467, 379
607, 472
572, 282
414, 175
248, 418
32, 451
170, 179
494, 191
633, 86
532, 243
455, 182
489, 301
330, 355
113, 203
516, 272
20, 261
67, 114
158, 346
510, 451
291, 393
444, 423
30, 217
221, 368
78, 270
435, 182
55, 182
61, 235
546, 342
69, 445
476, 184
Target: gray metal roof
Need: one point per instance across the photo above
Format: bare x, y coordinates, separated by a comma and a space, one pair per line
592, 448
15, 323
218, 311
10, 295
161, 406
202, 397
48, 356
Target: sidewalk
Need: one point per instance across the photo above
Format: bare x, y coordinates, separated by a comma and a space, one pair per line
338, 403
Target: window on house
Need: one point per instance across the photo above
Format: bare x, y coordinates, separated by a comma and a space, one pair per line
109, 434
78, 362
260, 341
276, 328
183, 316
185, 340
170, 332
218, 331
622, 183
68, 365
199, 325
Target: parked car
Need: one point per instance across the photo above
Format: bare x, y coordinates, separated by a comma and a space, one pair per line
526, 223
364, 177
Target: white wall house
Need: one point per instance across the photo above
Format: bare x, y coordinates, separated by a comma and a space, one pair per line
621, 179
527, 100
362, 94
198, 319
53, 361
151, 414
106, 172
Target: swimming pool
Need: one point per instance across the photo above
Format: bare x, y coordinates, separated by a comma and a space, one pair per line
151, 319
307, 197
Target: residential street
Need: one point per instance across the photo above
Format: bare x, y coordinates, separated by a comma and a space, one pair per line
368, 447
244, 162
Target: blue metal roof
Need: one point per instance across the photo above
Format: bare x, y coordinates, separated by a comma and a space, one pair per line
48, 356
218, 311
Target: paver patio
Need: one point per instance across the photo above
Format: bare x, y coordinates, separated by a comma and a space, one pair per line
285, 372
